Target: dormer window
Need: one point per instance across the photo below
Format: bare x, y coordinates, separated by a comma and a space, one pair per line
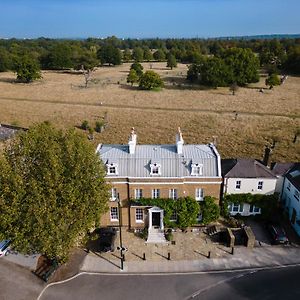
155, 169
197, 169
112, 169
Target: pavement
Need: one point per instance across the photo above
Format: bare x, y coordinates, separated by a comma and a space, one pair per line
243, 258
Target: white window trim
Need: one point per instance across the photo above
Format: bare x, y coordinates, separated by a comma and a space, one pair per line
111, 217
112, 165
154, 166
113, 194
157, 193
136, 220
260, 185
238, 188
255, 212
239, 206
173, 194
197, 197
138, 193
195, 166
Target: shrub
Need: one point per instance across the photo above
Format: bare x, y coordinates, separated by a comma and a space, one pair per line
210, 210
84, 125
98, 126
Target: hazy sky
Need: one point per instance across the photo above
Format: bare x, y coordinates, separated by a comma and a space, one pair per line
147, 18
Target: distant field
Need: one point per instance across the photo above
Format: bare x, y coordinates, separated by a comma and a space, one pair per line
201, 113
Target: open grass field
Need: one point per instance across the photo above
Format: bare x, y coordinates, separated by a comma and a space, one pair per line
201, 113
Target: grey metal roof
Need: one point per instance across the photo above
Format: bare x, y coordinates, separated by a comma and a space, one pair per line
172, 163
281, 168
293, 175
245, 168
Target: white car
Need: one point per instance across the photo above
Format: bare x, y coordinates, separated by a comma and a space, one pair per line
4, 247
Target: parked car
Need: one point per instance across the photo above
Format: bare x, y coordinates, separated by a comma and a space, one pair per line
107, 238
4, 247
278, 234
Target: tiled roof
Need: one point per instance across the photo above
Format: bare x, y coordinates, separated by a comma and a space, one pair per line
294, 175
172, 163
281, 168
245, 168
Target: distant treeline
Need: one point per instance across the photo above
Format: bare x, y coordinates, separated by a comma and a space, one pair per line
275, 55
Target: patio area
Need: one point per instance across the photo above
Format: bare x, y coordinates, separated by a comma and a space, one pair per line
191, 245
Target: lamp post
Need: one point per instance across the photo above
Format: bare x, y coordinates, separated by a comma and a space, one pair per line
120, 231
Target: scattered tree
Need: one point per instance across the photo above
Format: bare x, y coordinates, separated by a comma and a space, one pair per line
126, 55
150, 80
5, 60
27, 69
159, 55
148, 54
171, 63
52, 190
138, 69
138, 54
132, 77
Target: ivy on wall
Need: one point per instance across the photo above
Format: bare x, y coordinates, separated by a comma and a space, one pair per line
267, 203
187, 210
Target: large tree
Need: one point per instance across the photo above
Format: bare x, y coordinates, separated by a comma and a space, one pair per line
5, 60
52, 190
108, 54
243, 65
150, 80
27, 69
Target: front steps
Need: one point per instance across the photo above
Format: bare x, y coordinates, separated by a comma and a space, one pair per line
156, 236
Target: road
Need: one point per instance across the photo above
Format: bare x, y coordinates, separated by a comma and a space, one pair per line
17, 283
268, 284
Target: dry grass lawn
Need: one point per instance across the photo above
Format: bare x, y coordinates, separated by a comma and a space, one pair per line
201, 113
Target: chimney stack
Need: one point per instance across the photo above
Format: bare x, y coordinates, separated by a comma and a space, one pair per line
267, 155
179, 142
132, 141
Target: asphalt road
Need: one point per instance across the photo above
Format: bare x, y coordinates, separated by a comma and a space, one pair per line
17, 283
272, 284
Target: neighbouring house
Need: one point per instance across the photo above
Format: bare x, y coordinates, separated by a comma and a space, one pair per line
291, 196
242, 176
279, 170
157, 171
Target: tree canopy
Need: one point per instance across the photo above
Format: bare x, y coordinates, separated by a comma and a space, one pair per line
150, 80
132, 77
27, 69
272, 80
52, 190
109, 54
171, 62
138, 68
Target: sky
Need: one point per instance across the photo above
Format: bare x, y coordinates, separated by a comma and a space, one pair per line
147, 18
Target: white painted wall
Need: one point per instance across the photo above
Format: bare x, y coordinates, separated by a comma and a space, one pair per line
279, 184
290, 202
249, 185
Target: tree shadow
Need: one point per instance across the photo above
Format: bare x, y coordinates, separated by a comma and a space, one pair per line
8, 80
129, 87
198, 252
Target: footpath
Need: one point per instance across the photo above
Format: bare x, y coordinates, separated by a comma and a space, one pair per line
243, 258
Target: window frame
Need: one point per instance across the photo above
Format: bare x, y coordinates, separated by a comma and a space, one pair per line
201, 197
155, 193
173, 194
297, 194
238, 184
113, 214
196, 169
139, 215
174, 216
138, 193
155, 169
113, 194
112, 166
260, 185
